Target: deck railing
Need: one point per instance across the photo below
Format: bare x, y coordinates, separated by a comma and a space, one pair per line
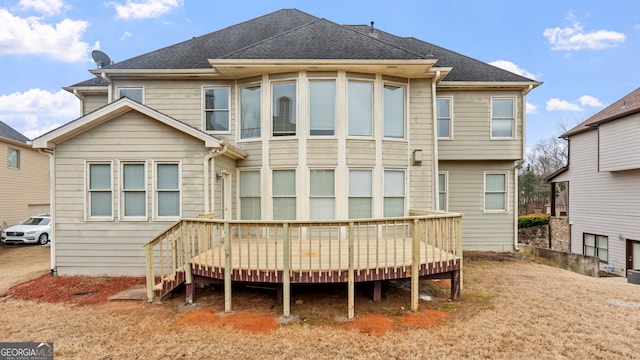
292, 249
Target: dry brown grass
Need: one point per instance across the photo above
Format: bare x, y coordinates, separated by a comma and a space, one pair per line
510, 309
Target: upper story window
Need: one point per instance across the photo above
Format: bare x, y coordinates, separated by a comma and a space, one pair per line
596, 245
167, 190
284, 194
322, 197
502, 118
321, 107
394, 111
13, 159
216, 109
394, 193
360, 194
250, 112
443, 114
495, 192
283, 109
134, 190
360, 103
250, 195
132, 93
442, 191
99, 192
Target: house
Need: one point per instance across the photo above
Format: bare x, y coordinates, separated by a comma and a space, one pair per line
603, 174
285, 116
24, 178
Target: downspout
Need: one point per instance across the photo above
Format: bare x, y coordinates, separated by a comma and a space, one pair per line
52, 210
436, 166
516, 167
212, 154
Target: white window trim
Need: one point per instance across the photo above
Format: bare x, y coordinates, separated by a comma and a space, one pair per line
122, 191
17, 152
446, 190
506, 192
335, 107
131, 88
322, 197
514, 132
375, 192
404, 194
297, 112
87, 192
238, 111
154, 171
261, 195
405, 110
373, 108
450, 98
204, 111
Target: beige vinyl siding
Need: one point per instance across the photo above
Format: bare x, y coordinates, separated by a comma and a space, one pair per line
395, 153
283, 153
322, 152
361, 153
23, 191
480, 230
421, 189
93, 102
254, 153
471, 130
619, 144
99, 247
601, 202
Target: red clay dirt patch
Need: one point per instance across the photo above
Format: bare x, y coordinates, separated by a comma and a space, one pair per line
422, 319
372, 324
252, 322
79, 290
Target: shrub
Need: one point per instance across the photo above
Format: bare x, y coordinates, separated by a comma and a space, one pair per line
532, 220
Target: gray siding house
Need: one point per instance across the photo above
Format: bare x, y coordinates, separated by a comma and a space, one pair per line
285, 116
604, 185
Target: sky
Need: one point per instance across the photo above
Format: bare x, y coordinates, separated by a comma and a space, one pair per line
585, 52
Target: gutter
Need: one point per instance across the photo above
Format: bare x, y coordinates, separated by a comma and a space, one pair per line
516, 167
52, 210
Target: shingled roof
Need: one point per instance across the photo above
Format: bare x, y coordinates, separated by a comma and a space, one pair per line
8, 132
293, 34
628, 105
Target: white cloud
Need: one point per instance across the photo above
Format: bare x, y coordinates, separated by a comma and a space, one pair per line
575, 38
145, 9
514, 68
31, 36
126, 35
587, 100
32, 111
531, 109
556, 104
46, 7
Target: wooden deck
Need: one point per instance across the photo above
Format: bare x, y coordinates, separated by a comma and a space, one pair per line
285, 253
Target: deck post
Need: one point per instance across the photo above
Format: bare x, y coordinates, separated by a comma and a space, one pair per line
350, 276
150, 275
227, 268
377, 290
415, 265
458, 227
186, 265
286, 272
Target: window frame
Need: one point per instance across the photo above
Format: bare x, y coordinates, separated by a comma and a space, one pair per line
512, 118
318, 197
505, 192
123, 191
131, 88
214, 110
292, 197
156, 191
386, 196
240, 111
10, 162
250, 196
444, 192
348, 104
335, 101
386, 84
450, 118
88, 191
296, 101
596, 246
370, 196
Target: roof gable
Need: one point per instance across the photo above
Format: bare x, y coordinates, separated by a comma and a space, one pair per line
10, 133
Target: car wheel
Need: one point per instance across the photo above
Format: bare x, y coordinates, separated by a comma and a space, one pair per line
43, 239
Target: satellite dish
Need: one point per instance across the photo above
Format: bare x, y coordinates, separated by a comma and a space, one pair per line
101, 59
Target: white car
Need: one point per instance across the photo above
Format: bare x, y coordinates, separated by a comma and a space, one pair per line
35, 229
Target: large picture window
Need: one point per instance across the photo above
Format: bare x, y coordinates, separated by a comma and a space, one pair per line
596, 245
393, 111
322, 194
502, 117
250, 123
394, 193
216, 108
250, 195
360, 102
495, 192
134, 191
443, 111
321, 107
99, 191
168, 190
360, 194
283, 108
284, 195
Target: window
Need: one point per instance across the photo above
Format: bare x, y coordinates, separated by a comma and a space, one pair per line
442, 191
360, 104
99, 191
134, 191
250, 112
167, 190
321, 107
495, 192
502, 117
284, 108
393, 193
596, 245
284, 195
250, 195
393, 111
360, 194
443, 114
322, 194
132, 93
14, 158
216, 109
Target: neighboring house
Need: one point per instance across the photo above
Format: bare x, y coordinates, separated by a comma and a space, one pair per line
24, 178
286, 116
603, 177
